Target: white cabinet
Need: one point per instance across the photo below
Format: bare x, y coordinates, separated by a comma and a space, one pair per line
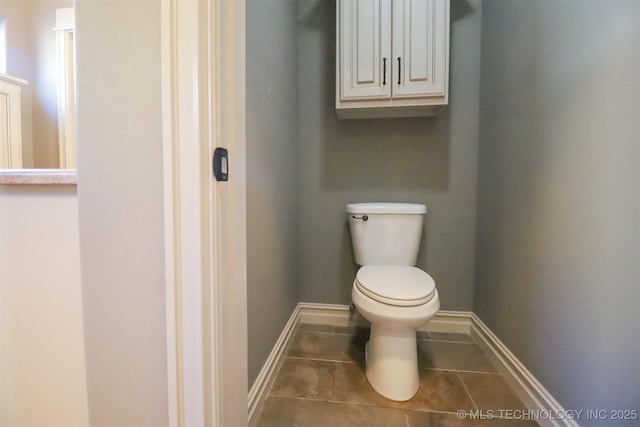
10, 121
392, 57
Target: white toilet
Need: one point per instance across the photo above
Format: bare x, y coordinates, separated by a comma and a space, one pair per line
396, 297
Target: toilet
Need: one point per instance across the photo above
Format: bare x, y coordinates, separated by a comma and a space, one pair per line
389, 291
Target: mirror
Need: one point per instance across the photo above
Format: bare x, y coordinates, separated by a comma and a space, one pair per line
37, 84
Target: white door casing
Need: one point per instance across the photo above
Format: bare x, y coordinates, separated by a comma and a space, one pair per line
203, 68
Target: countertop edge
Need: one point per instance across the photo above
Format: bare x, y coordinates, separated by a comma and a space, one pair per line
38, 176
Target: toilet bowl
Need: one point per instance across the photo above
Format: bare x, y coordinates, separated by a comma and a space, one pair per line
391, 353
396, 297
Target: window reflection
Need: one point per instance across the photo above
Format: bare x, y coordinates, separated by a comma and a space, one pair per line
39, 52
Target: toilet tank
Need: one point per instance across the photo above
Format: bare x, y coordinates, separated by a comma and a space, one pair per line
386, 233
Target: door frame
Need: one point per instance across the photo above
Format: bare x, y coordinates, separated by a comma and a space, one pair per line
203, 97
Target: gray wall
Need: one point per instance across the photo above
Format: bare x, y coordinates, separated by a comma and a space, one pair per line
120, 211
272, 158
559, 195
425, 160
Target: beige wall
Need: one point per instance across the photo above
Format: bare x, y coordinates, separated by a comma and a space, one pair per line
42, 371
272, 181
425, 160
120, 184
559, 195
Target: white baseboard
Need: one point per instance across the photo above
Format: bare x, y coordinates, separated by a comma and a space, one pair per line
270, 368
450, 321
330, 314
523, 383
340, 315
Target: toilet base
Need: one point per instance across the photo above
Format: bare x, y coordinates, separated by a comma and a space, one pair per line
392, 362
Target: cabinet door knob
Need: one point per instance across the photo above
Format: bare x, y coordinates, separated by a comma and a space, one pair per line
384, 71
399, 69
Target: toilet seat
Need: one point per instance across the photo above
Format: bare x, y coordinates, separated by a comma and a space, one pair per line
396, 285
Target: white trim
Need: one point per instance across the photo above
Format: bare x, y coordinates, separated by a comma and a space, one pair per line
340, 315
183, 213
171, 229
15, 81
65, 19
450, 321
270, 368
11, 121
523, 383
228, 111
531, 392
203, 104
329, 314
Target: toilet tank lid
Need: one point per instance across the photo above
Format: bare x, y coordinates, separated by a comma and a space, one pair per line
386, 208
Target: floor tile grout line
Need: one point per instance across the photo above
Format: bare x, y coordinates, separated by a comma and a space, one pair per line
333, 381
334, 364
459, 370
433, 411
449, 341
353, 362
310, 399
467, 390
367, 405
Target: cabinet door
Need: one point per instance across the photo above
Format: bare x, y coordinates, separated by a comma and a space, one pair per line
365, 49
419, 48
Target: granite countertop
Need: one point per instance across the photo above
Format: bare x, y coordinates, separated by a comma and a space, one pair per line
38, 176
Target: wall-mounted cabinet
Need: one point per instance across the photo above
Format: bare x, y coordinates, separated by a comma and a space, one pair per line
392, 58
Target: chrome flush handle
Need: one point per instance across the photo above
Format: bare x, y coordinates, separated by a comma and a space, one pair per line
363, 217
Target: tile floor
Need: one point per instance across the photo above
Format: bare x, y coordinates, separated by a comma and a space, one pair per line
322, 383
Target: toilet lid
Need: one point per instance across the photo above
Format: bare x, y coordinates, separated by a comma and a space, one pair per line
395, 284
